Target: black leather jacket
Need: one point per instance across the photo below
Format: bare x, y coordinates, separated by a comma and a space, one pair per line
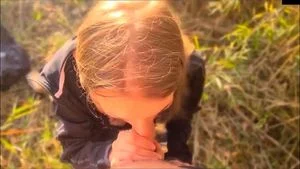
86, 138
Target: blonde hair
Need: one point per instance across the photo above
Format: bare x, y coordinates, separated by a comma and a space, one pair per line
122, 43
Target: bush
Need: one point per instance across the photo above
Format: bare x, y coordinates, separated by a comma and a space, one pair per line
250, 108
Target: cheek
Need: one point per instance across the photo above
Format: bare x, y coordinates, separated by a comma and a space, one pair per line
113, 108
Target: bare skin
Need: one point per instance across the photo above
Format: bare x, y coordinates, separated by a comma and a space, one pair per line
149, 164
138, 143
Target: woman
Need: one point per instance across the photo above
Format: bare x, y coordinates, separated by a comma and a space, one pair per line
126, 69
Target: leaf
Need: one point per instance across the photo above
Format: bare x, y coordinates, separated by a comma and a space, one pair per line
196, 42
219, 83
226, 63
78, 2
47, 135
20, 111
37, 15
5, 125
8, 146
19, 131
258, 16
205, 97
226, 78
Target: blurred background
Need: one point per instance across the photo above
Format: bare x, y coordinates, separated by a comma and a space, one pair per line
250, 107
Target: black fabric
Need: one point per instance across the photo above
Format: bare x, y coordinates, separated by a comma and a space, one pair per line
179, 129
14, 60
86, 138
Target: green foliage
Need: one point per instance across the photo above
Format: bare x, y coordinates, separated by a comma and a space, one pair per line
250, 106
27, 128
25, 146
19, 111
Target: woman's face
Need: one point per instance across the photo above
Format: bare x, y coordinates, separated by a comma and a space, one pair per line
136, 109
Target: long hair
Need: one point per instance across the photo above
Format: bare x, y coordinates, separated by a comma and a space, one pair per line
125, 43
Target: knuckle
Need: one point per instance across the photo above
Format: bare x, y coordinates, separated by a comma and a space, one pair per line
114, 145
134, 149
121, 134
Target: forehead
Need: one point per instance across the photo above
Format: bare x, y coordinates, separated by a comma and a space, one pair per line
129, 107
112, 95
131, 90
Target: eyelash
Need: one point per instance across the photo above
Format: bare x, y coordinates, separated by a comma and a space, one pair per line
162, 111
93, 108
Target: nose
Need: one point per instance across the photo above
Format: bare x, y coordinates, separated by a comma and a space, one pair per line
145, 128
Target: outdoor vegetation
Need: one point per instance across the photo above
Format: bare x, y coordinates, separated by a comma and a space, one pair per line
250, 107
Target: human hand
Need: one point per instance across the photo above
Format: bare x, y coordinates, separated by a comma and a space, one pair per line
149, 164
179, 163
130, 146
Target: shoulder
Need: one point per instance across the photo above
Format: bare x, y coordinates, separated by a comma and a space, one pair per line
59, 78
196, 64
53, 73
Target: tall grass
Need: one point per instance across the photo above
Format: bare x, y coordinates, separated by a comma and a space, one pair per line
250, 107
27, 120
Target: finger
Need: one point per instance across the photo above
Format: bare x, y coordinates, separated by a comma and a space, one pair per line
120, 156
150, 164
147, 153
131, 137
140, 151
140, 157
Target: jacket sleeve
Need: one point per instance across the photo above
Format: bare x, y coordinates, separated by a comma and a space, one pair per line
85, 144
179, 129
85, 139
